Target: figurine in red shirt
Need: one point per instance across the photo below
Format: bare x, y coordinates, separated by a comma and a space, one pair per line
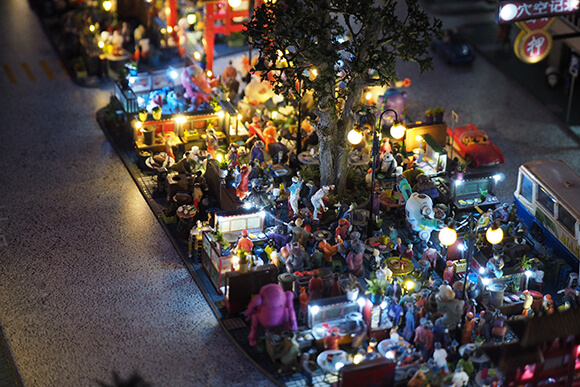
245, 243
408, 253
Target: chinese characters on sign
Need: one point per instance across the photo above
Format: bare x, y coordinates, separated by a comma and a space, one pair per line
534, 42
512, 11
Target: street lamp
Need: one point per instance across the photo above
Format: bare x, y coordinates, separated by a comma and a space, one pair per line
397, 132
448, 236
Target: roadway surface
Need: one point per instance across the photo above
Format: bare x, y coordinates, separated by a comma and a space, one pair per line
89, 281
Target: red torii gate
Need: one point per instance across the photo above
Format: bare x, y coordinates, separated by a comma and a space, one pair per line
225, 13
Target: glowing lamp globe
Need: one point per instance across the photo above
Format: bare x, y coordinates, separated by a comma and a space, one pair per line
494, 235
397, 131
447, 236
354, 136
234, 3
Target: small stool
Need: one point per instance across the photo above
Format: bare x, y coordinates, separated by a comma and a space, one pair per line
337, 265
572, 280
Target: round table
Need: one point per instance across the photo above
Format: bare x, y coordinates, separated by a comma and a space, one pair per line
400, 266
185, 214
308, 159
321, 235
371, 244
360, 160
327, 360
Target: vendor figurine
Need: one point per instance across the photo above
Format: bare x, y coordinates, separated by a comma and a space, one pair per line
449, 272
495, 265
342, 229
245, 243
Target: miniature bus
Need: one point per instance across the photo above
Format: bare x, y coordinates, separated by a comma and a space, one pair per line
547, 199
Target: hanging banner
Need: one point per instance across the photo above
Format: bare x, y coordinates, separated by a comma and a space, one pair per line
513, 11
534, 42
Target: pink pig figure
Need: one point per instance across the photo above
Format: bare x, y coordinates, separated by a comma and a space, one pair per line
271, 308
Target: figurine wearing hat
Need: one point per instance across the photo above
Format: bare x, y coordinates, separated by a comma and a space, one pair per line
342, 229
317, 201
295, 194
257, 152
245, 243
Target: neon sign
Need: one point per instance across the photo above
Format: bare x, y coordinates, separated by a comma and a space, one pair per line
513, 11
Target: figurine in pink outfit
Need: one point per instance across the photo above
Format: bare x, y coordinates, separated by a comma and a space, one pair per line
242, 190
271, 308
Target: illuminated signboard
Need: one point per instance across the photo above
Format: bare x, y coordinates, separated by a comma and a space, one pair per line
513, 11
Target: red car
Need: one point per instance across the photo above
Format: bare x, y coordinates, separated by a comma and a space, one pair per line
475, 147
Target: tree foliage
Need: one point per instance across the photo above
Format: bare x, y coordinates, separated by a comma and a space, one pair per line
336, 48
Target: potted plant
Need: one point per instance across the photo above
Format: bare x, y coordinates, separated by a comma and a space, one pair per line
243, 261
223, 166
222, 243
352, 288
523, 263
429, 114
376, 287
438, 114
156, 112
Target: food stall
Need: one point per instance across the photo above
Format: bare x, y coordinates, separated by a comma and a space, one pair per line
217, 260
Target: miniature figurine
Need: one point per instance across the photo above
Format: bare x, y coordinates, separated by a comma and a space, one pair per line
355, 259
242, 189
419, 379
245, 243
449, 272
331, 340
294, 197
430, 255
335, 289
466, 364
308, 367
271, 307
299, 234
388, 164
528, 300
304, 300
424, 338
460, 377
211, 142
253, 129
495, 265
329, 251
233, 156
410, 324
451, 307
295, 255
440, 358
548, 304
399, 247
408, 253
468, 325
342, 229
502, 213
317, 201
289, 353
257, 152
270, 133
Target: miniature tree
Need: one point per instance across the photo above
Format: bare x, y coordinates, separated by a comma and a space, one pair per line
336, 48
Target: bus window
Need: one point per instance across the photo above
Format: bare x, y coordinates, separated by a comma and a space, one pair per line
546, 200
566, 219
527, 188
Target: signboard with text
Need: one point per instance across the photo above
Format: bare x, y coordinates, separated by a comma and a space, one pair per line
513, 11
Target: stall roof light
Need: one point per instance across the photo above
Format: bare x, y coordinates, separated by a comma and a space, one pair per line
314, 309
361, 301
